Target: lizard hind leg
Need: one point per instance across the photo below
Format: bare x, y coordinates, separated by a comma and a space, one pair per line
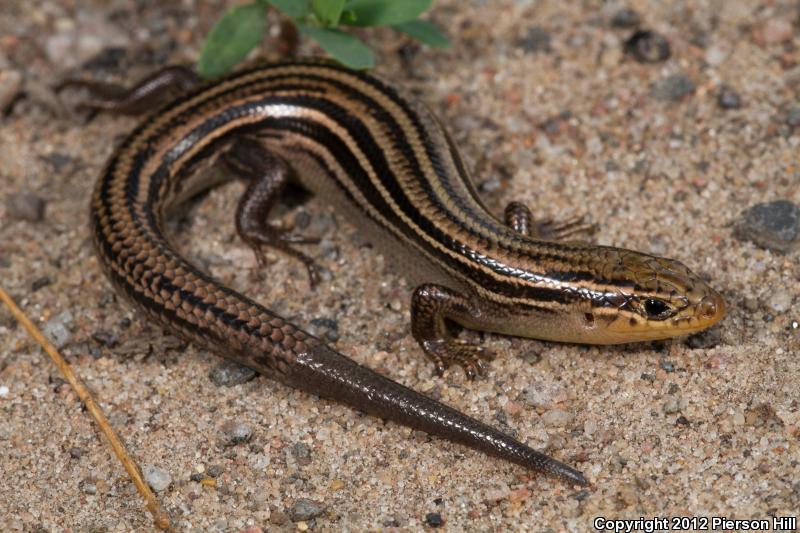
267, 176
518, 216
145, 95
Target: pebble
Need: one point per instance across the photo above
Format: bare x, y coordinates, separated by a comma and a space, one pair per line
228, 374
39, 283
673, 88
626, 18
706, 339
305, 509
25, 205
728, 98
75, 452
780, 301
715, 55
557, 418
327, 327
667, 366
793, 117
302, 453
157, 478
536, 40
56, 329
434, 520
648, 47
10, 87
4, 390
236, 432
771, 225
88, 486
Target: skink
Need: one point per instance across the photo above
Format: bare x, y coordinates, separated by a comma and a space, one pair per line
394, 171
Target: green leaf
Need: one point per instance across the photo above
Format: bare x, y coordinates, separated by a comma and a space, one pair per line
231, 39
348, 17
295, 9
385, 12
328, 11
424, 31
344, 47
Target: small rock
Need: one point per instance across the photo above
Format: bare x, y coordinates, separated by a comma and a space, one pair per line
673, 88
39, 283
25, 205
557, 418
4, 390
214, 471
75, 452
626, 18
648, 47
229, 374
305, 509
772, 225
715, 55
728, 98
327, 327
197, 477
667, 366
793, 117
682, 421
88, 486
157, 478
301, 453
57, 160
236, 432
706, 339
56, 329
670, 406
10, 87
537, 40
780, 301
773, 31
434, 520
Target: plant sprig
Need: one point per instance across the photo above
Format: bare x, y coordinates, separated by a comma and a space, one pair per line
242, 28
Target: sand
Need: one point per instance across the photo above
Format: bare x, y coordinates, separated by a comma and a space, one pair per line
548, 109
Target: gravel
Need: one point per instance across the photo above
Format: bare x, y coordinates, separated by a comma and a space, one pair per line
158, 479
25, 205
230, 374
305, 509
771, 225
673, 88
648, 47
536, 40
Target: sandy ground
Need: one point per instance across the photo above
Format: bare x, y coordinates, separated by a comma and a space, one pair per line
547, 109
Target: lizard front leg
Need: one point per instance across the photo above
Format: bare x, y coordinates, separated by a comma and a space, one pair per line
431, 307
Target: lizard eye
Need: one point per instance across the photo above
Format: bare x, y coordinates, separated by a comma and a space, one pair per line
656, 309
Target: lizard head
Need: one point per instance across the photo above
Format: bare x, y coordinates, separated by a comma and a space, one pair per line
659, 298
